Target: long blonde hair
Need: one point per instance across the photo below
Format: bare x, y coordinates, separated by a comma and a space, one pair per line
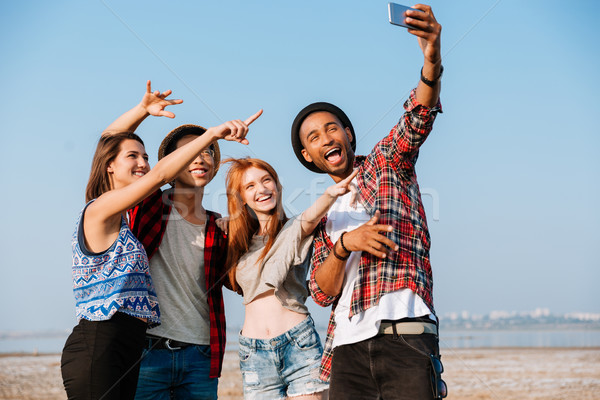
243, 223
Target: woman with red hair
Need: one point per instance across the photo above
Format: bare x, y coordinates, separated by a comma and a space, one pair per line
280, 350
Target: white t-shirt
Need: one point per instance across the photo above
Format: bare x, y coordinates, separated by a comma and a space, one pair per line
401, 303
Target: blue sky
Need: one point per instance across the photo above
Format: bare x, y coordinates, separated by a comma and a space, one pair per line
509, 175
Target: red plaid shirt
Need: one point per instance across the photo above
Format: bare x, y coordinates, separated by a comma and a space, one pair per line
386, 182
148, 222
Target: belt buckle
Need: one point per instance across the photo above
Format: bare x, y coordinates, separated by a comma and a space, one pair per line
168, 345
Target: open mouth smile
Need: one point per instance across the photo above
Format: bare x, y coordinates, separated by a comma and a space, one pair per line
264, 198
199, 172
334, 155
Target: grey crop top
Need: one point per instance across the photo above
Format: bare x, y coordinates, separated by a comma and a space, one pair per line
283, 269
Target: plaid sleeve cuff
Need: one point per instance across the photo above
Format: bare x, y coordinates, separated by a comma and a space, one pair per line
321, 244
412, 104
319, 297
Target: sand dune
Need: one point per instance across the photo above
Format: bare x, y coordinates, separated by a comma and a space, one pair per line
483, 374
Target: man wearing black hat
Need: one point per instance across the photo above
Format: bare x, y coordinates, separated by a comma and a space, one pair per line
371, 259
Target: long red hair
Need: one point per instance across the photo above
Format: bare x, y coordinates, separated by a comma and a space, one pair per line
243, 223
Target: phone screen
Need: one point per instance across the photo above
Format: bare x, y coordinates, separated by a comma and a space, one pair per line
397, 13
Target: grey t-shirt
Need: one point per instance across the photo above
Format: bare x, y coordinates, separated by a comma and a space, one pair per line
177, 269
284, 267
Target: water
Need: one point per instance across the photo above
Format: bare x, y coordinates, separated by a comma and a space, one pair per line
448, 339
466, 339
33, 345
519, 338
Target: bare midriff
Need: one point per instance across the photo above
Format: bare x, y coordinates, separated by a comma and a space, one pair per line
266, 318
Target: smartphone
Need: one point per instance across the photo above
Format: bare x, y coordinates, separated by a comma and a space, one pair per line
397, 13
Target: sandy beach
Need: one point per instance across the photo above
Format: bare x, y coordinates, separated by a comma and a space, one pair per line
507, 374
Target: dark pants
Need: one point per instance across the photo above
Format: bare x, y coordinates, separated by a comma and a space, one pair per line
385, 367
100, 359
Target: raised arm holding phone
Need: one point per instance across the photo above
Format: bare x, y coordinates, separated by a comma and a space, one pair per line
372, 263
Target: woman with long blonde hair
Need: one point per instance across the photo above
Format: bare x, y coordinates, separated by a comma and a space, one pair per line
280, 350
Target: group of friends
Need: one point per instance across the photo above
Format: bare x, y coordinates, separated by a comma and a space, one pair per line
149, 265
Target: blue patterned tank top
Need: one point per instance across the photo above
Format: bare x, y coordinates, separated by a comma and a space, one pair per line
117, 279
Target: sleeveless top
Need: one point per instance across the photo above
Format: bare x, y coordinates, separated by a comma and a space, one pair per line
117, 279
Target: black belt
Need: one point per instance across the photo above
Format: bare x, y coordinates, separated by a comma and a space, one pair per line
161, 343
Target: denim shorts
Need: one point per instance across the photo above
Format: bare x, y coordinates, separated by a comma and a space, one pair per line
284, 366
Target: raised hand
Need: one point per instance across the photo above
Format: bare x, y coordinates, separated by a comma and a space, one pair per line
154, 102
428, 32
342, 187
236, 130
367, 237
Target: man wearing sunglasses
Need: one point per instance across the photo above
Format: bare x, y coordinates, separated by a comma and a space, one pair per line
371, 258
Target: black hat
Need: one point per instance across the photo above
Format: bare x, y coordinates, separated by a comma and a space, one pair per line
169, 143
306, 111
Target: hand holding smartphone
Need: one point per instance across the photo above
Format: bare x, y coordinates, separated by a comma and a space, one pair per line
397, 14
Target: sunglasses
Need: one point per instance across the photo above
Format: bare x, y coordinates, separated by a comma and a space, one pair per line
440, 390
208, 152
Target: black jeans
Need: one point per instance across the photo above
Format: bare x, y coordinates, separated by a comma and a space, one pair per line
385, 367
100, 359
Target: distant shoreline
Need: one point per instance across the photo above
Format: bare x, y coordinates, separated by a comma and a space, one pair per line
489, 338
507, 348
444, 326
